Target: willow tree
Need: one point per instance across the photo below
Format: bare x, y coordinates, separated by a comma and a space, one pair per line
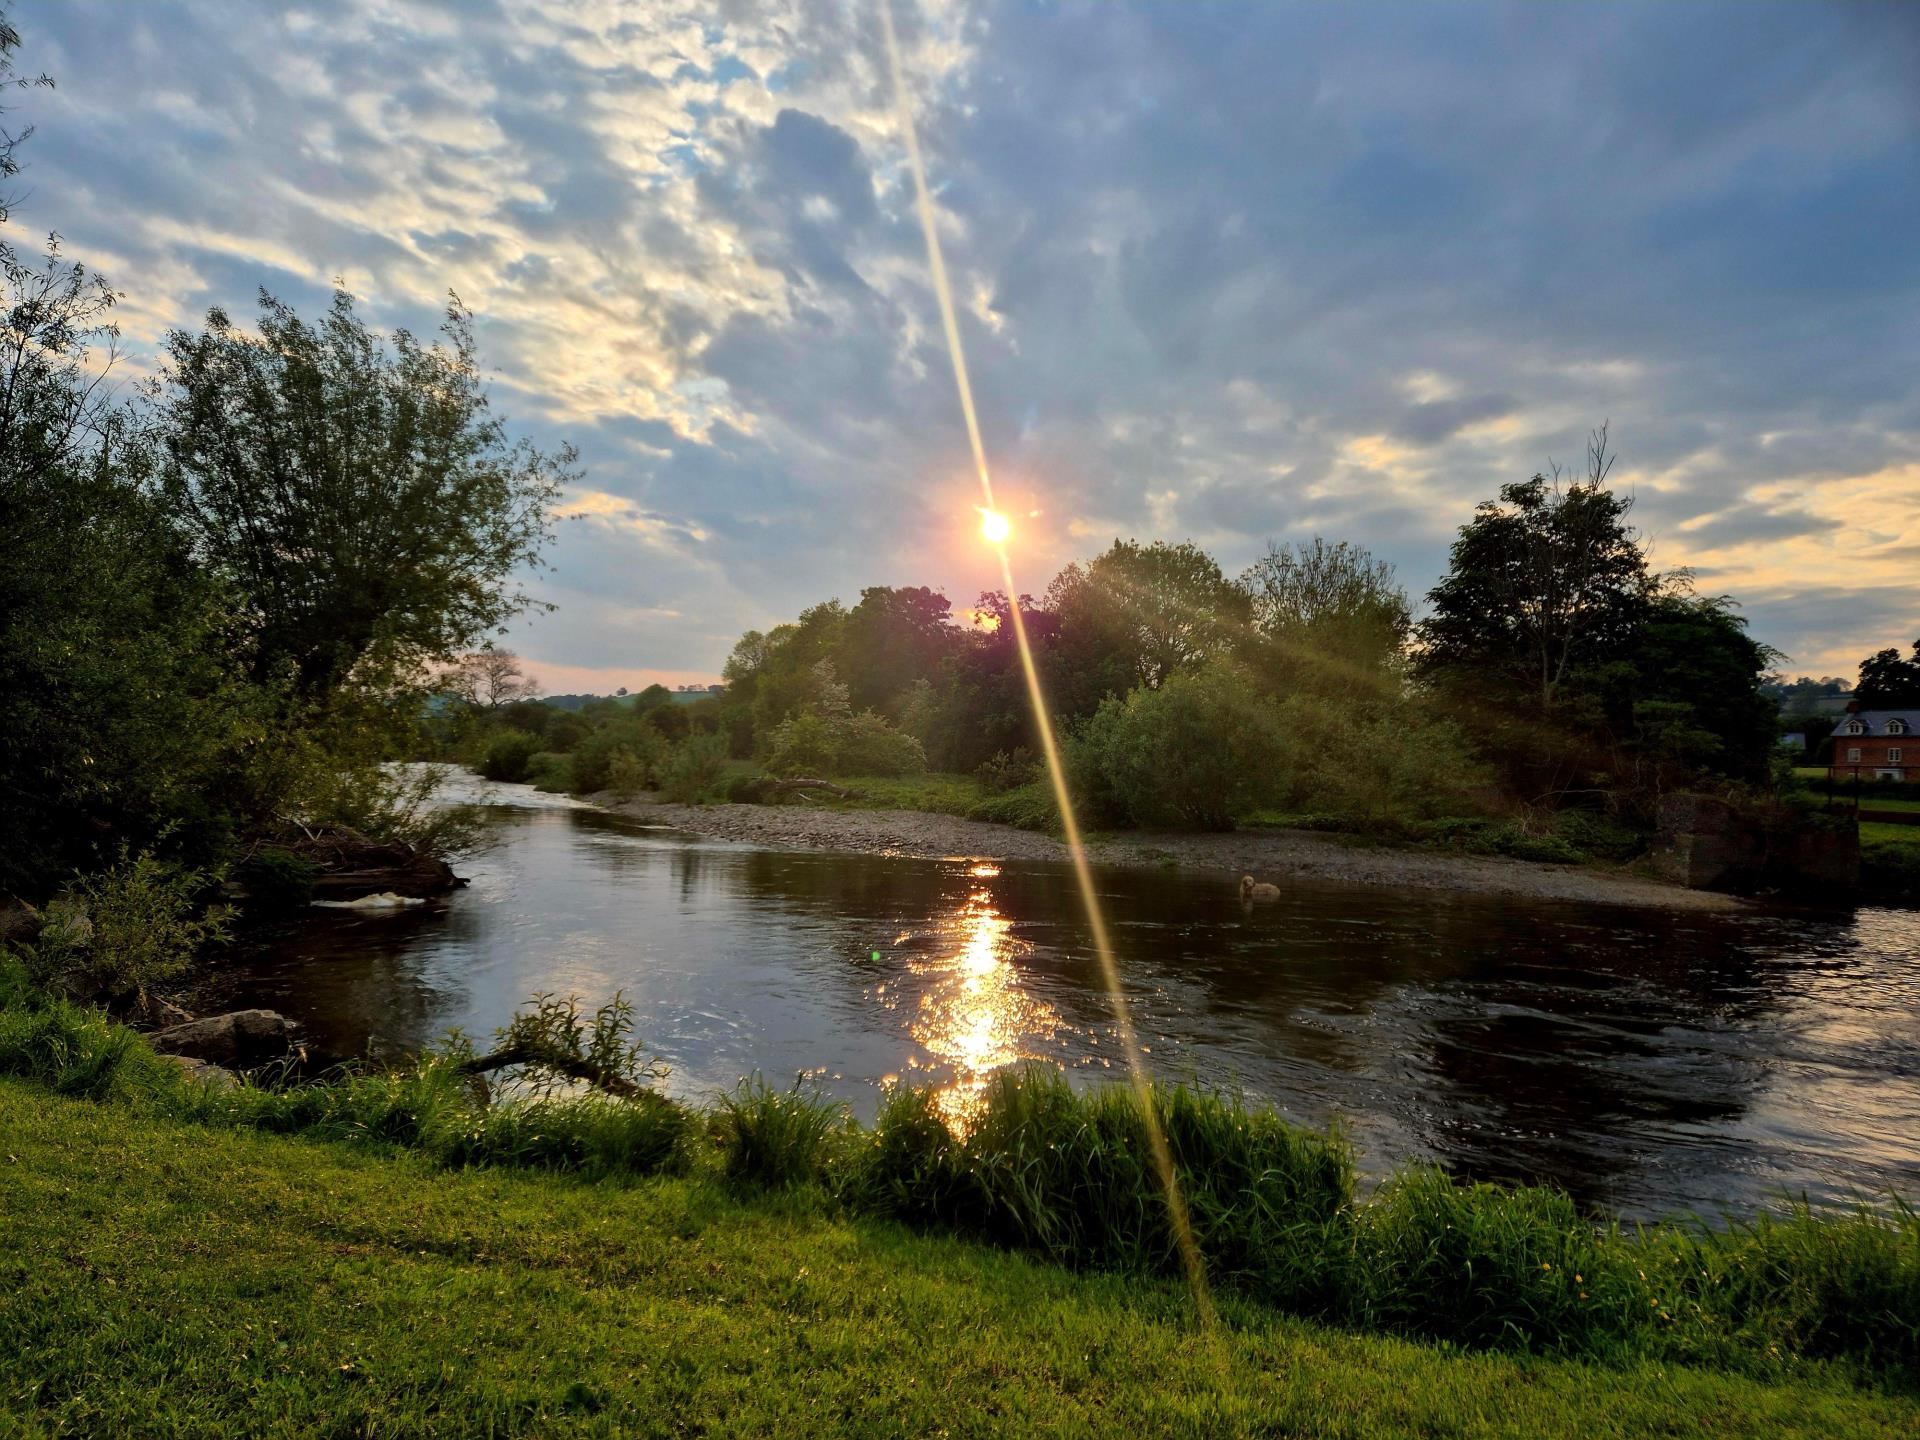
359, 495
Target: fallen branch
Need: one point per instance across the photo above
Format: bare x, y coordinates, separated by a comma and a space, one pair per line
573, 1067
800, 784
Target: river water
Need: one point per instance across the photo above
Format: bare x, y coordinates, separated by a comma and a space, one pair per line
1648, 1062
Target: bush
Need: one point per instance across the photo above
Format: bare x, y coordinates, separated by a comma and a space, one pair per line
126, 930
1008, 770
776, 1138
867, 745
1193, 754
1600, 836
551, 773
594, 757
277, 879
693, 770
811, 743
508, 756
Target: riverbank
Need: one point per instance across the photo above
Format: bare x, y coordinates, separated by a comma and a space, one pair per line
1276, 856
166, 1278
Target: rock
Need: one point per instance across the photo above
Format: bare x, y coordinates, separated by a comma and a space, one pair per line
205, 1072
19, 922
238, 1038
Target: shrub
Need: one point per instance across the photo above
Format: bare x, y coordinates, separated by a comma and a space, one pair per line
593, 758
1193, 754
551, 772
277, 879
866, 744
126, 930
627, 774
1600, 836
776, 1138
813, 743
694, 769
508, 756
1008, 770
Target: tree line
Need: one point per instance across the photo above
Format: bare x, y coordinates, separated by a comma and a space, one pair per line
1554, 671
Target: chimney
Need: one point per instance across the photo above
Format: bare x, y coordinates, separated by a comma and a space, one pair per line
1853, 707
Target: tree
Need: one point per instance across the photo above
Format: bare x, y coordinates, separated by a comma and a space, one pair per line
10, 78
1544, 582
361, 498
892, 638
1888, 682
1327, 607
490, 678
1697, 699
1138, 615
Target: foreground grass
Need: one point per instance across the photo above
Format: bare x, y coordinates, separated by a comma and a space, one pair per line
163, 1278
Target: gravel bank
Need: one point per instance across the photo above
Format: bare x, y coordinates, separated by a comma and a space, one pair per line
1268, 854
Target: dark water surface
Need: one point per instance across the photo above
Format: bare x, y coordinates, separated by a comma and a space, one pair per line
1648, 1062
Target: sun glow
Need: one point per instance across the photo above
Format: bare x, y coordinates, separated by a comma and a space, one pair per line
994, 527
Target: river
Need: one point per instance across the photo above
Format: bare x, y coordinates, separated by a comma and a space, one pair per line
1649, 1062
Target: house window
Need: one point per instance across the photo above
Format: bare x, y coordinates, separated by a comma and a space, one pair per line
1853, 754
1896, 727
1855, 727
1893, 756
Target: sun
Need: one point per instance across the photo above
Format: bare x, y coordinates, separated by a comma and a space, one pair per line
994, 527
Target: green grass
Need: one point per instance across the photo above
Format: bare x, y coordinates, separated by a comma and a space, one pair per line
161, 1278
1066, 1174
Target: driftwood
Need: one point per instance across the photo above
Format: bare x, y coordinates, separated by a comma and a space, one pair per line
573, 1067
801, 784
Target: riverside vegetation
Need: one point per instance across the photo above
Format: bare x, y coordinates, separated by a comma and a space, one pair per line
1066, 1176
1556, 693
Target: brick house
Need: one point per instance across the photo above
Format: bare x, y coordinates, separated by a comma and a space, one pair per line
1876, 745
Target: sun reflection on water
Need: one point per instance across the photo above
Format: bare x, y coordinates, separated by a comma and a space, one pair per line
976, 1014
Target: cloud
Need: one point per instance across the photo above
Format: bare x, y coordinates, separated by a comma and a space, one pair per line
1225, 274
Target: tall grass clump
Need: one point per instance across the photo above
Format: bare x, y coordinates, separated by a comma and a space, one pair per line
1488, 1266
1072, 1174
776, 1139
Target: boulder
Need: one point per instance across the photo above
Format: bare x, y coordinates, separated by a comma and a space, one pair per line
205, 1072
19, 922
238, 1038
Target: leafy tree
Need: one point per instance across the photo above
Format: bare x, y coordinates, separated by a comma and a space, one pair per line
892, 638
361, 498
1329, 611
1887, 682
1544, 583
1695, 669
1138, 615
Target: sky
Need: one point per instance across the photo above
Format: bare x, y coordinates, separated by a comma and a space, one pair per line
1234, 274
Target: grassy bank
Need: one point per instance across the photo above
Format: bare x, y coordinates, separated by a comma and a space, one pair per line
164, 1278
1065, 1175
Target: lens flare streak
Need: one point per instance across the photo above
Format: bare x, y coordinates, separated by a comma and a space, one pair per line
996, 530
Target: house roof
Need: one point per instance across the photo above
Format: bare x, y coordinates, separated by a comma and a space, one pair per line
1877, 721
